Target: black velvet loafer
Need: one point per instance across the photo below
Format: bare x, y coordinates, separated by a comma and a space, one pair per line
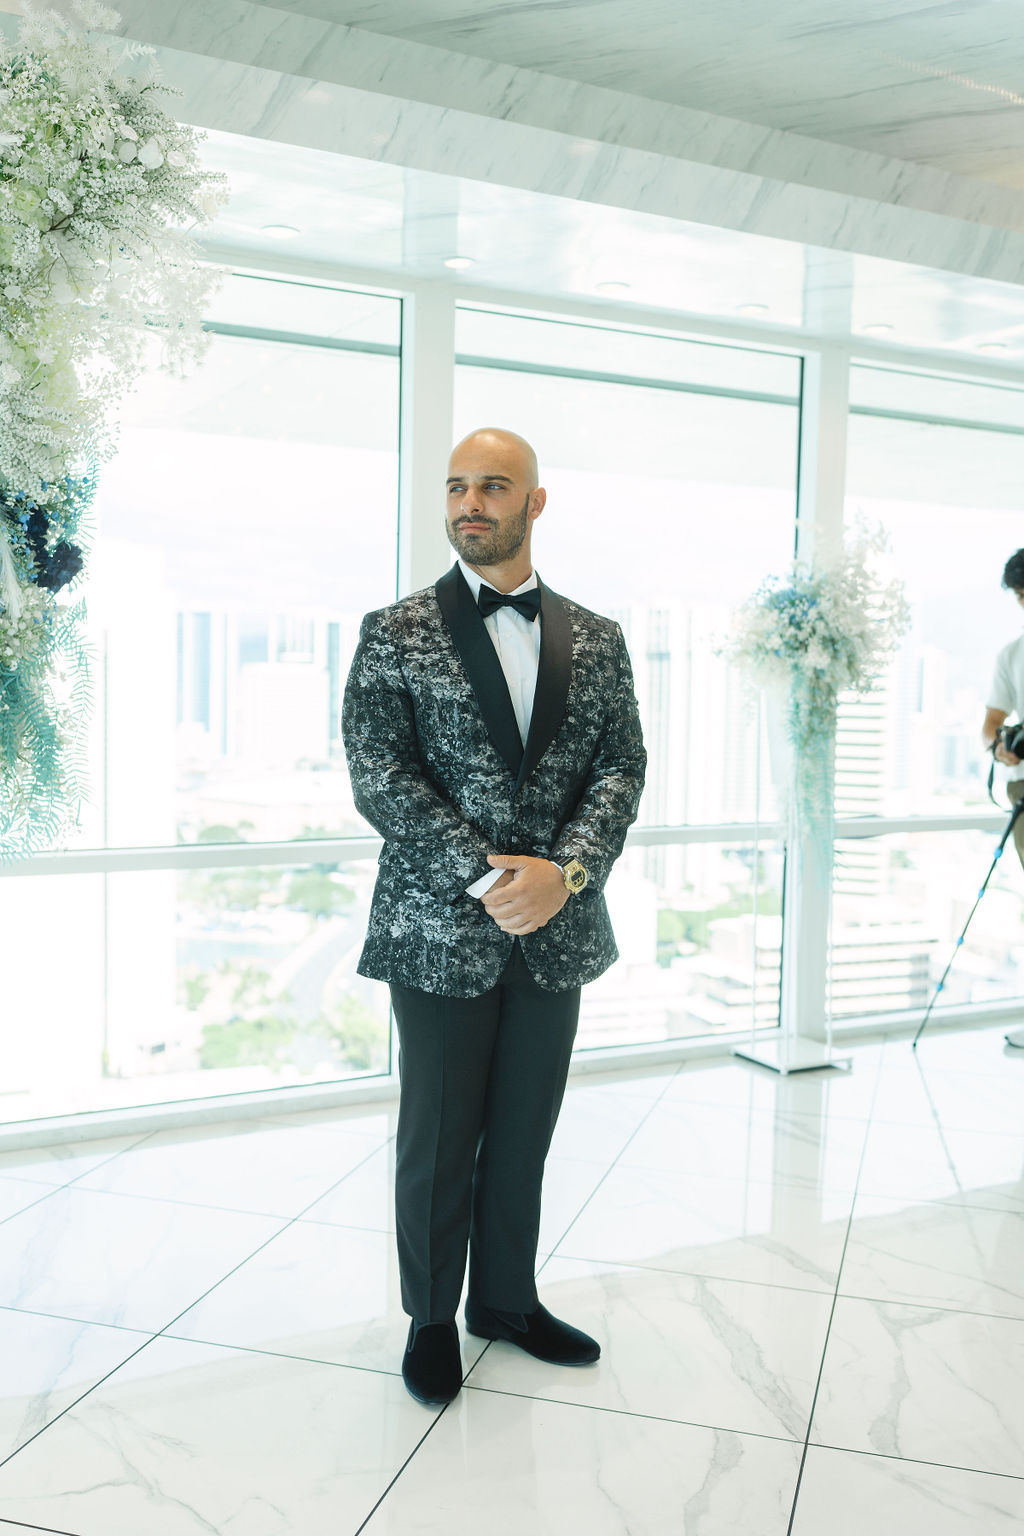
540, 1334
432, 1367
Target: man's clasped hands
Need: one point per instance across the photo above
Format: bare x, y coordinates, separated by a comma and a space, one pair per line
528, 894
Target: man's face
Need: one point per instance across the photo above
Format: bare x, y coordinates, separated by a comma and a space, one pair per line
490, 502
1018, 593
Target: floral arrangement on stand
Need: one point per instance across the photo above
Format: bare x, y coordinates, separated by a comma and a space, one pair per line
98, 188
807, 637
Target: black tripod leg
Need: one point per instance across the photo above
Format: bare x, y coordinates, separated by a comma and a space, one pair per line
1017, 809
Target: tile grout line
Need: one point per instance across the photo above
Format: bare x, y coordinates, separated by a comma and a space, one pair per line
470, 1386
775, 1285
56, 1189
227, 1210
182, 1338
956, 1130
47, 1530
641, 1168
466, 1379
934, 1306
299, 1217
64, 1317
909, 1201
417, 1447
835, 1300
917, 1461
164, 1330
699, 1274
627, 1413
655, 1104
277, 1354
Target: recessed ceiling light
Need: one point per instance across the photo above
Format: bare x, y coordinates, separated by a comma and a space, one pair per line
281, 231
613, 287
993, 346
459, 263
877, 328
751, 309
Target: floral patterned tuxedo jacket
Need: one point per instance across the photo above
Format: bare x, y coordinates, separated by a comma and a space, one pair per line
439, 769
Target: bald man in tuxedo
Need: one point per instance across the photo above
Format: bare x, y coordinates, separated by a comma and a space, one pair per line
493, 741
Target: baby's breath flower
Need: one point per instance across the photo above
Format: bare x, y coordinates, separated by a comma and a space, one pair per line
97, 184
807, 637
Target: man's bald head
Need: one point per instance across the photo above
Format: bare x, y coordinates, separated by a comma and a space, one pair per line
493, 500
504, 445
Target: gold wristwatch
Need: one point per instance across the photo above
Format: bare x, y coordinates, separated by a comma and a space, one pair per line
574, 876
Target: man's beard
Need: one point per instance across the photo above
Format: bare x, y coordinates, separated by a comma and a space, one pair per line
495, 547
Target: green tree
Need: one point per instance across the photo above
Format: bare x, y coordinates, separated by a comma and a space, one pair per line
223, 832
318, 893
231, 890
261, 1030
193, 986
320, 833
677, 927
360, 1035
242, 1042
252, 990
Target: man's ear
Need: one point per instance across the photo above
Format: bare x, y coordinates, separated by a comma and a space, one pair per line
538, 501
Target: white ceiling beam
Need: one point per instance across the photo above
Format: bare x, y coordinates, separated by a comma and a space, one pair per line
250, 69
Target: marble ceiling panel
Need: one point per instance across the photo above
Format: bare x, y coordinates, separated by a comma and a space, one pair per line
281, 76
937, 83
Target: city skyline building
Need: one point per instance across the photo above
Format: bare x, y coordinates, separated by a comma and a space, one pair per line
222, 721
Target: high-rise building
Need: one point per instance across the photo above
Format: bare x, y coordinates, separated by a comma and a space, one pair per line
881, 946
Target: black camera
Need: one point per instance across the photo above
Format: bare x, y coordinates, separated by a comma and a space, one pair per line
1011, 738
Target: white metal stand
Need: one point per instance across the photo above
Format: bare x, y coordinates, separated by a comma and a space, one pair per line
802, 1044
805, 981
807, 905
805, 936
796, 1054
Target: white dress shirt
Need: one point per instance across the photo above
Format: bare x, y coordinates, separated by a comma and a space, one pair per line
517, 642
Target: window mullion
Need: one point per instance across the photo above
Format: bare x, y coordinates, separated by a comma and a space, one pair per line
428, 381
821, 491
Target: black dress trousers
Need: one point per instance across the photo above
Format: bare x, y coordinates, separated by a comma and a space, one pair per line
482, 1081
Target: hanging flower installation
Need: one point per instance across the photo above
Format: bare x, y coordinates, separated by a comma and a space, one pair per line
98, 185
806, 637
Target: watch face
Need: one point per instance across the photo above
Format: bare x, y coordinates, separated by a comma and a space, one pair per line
575, 875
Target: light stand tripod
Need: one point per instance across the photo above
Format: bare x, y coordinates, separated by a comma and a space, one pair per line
1017, 810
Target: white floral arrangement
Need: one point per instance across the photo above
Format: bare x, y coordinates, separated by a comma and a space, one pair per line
99, 188
811, 635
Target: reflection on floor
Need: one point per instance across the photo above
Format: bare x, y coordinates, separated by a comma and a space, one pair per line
809, 1293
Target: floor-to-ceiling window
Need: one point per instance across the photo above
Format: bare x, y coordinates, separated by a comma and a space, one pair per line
939, 463
671, 470
248, 520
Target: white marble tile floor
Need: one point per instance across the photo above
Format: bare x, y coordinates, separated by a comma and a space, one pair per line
807, 1292
64, 1163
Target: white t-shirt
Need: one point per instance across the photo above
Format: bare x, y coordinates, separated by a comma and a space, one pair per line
1007, 694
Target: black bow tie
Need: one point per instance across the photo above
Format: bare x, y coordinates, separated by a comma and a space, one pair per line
526, 603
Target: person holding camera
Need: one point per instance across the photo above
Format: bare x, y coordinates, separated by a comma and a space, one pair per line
1006, 742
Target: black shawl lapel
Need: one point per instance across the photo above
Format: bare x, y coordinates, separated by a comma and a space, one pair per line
483, 668
553, 679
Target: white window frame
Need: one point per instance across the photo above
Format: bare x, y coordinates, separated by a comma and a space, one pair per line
426, 413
